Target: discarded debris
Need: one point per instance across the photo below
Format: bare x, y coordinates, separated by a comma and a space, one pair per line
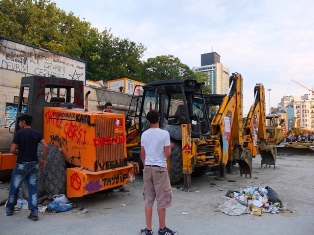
82, 210
252, 200
42, 209
184, 213
57, 207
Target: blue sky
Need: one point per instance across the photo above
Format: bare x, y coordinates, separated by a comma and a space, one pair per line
267, 41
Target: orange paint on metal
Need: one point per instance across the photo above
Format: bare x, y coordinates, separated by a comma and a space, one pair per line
7, 161
82, 182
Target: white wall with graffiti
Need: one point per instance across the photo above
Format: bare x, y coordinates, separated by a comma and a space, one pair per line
18, 59
27, 60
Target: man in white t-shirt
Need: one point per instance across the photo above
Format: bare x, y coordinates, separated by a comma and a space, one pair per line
155, 149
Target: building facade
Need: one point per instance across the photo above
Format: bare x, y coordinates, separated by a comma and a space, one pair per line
218, 74
125, 85
301, 107
304, 109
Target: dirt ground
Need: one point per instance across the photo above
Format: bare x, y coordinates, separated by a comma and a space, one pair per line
192, 213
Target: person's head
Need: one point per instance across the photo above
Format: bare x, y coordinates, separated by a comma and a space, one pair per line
152, 116
108, 107
25, 120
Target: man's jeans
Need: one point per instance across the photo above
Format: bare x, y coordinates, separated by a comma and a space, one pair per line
21, 171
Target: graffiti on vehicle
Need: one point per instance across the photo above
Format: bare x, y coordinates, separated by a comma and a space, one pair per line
76, 181
110, 140
61, 141
93, 186
74, 132
110, 164
115, 179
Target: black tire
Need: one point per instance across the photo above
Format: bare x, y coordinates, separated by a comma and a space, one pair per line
175, 170
52, 178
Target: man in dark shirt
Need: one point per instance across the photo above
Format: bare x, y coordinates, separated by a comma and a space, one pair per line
25, 143
108, 107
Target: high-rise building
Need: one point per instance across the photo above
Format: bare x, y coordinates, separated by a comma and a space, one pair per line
218, 74
301, 107
304, 109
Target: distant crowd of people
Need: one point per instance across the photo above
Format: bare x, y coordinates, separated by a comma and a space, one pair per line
298, 138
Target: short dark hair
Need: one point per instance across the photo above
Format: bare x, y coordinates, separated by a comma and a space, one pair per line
152, 116
27, 118
107, 104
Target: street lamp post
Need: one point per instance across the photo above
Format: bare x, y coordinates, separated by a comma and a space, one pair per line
269, 100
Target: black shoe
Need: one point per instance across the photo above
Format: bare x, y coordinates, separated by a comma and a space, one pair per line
146, 232
9, 213
32, 217
166, 231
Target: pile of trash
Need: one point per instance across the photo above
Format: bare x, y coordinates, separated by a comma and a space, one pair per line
251, 200
60, 203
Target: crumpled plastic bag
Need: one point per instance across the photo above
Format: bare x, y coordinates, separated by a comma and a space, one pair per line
60, 198
56, 207
231, 206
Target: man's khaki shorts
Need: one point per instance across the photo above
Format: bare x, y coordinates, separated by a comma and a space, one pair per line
157, 186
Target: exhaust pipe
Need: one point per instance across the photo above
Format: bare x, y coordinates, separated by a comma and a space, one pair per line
86, 100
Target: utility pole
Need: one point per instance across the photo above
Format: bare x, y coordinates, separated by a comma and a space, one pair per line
269, 99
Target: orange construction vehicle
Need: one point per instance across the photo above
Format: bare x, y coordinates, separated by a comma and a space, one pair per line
87, 149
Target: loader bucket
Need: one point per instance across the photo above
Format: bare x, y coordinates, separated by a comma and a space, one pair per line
245, 163
269, 157
295, 151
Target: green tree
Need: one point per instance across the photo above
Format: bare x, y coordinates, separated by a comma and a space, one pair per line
41, 23
114, 58
165, 68
203, 77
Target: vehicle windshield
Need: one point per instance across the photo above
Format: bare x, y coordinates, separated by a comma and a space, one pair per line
152, 101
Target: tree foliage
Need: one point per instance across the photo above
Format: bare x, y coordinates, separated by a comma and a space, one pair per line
204, 77
165, 68
41, 23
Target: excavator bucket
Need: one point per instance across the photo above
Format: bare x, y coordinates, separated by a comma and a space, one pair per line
245, 163
269, 157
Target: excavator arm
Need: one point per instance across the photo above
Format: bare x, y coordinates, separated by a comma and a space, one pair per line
255, 134
227, 128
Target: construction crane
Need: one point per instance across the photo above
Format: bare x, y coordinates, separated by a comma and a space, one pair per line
311, 90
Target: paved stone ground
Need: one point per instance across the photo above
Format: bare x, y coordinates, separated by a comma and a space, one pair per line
118, 213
